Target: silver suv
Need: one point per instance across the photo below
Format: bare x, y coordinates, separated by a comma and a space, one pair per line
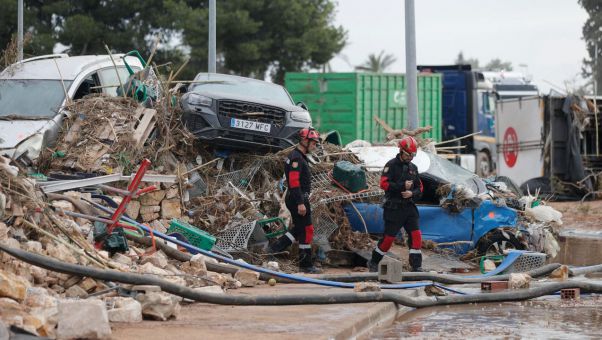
34, 91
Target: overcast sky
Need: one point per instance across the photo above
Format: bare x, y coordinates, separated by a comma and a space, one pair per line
543, 34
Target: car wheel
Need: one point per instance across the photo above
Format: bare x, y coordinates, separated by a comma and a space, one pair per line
495, 242
483, 164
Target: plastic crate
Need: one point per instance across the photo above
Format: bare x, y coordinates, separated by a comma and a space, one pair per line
527, 261
193, 235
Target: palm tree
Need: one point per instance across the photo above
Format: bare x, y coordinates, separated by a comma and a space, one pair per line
377, 63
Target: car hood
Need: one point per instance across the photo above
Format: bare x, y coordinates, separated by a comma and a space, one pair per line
15, 131
249, 99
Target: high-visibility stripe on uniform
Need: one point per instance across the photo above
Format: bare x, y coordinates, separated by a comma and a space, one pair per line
386, 243
290, 237
309, 233
293, 178
384, 183
416, 239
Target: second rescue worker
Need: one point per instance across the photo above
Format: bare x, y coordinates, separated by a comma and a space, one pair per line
403, 188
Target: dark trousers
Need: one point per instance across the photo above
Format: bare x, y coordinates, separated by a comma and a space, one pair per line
303, 228
405, 216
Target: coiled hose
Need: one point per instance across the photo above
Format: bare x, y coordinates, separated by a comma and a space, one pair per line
291, 299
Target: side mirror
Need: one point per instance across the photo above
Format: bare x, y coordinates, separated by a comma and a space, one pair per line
303, 106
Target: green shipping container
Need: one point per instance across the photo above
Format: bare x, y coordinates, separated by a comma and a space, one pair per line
347, 102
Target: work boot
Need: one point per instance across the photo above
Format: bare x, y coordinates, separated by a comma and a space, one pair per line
374, 261
305, 262
280, 245
416, 261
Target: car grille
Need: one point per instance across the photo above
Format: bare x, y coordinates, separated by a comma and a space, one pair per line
194, 122
251, 111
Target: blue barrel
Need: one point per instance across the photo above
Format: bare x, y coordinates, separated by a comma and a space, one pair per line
372, 214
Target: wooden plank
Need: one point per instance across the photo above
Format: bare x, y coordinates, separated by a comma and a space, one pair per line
74, 131
144, 128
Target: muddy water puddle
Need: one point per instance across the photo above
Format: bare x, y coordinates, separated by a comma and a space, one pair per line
540, 319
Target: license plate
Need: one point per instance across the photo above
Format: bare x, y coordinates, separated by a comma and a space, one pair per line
250, 125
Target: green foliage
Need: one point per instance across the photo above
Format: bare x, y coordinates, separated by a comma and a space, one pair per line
493, 65
592, 34
253, 36
377, 63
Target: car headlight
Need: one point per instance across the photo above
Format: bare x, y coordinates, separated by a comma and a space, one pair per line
32, 145
301, 116
197, 99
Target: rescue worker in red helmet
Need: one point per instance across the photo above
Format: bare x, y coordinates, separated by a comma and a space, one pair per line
403, 189
298, 176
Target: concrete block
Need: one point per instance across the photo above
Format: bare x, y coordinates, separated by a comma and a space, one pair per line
390, 269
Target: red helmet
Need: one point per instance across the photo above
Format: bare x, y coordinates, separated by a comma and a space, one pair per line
408, 145
310, 134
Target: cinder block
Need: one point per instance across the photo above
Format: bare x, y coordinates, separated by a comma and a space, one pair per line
390, 269
492, 286
570, 294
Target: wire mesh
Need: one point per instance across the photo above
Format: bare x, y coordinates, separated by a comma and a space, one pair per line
320, 181
240, 178
349, 197
324, 227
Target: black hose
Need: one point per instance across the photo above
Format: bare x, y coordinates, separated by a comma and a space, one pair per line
356, 277
585, 270
296, 299
441, 278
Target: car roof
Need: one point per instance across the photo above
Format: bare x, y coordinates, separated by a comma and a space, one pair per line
44, 67
221, 76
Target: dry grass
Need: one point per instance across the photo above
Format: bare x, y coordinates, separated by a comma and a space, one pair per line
10, 54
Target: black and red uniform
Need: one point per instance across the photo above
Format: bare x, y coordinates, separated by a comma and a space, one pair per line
298, 176
400, 212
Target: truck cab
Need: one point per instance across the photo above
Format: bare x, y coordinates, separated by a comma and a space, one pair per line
468, 107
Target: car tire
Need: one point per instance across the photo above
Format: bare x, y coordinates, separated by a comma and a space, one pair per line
484, 168
496, 241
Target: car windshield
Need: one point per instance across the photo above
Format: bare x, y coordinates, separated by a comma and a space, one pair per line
242, 87
444, 169
16, 97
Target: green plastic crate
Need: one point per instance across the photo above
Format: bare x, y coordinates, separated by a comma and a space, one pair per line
350, 176
195, 236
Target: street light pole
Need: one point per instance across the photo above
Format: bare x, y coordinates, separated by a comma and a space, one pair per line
212, 54
20, 30
411, 73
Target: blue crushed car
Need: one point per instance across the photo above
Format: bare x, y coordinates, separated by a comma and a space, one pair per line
482, 225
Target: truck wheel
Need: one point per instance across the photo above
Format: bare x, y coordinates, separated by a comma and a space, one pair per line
495, 242
483, 164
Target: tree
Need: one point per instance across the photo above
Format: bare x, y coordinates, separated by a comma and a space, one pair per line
498, 65
255, 37
377, 63
592, 34
473, 62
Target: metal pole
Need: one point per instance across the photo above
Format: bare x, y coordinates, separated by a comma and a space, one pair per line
20, 31
212, 59
411, 74
596, 95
